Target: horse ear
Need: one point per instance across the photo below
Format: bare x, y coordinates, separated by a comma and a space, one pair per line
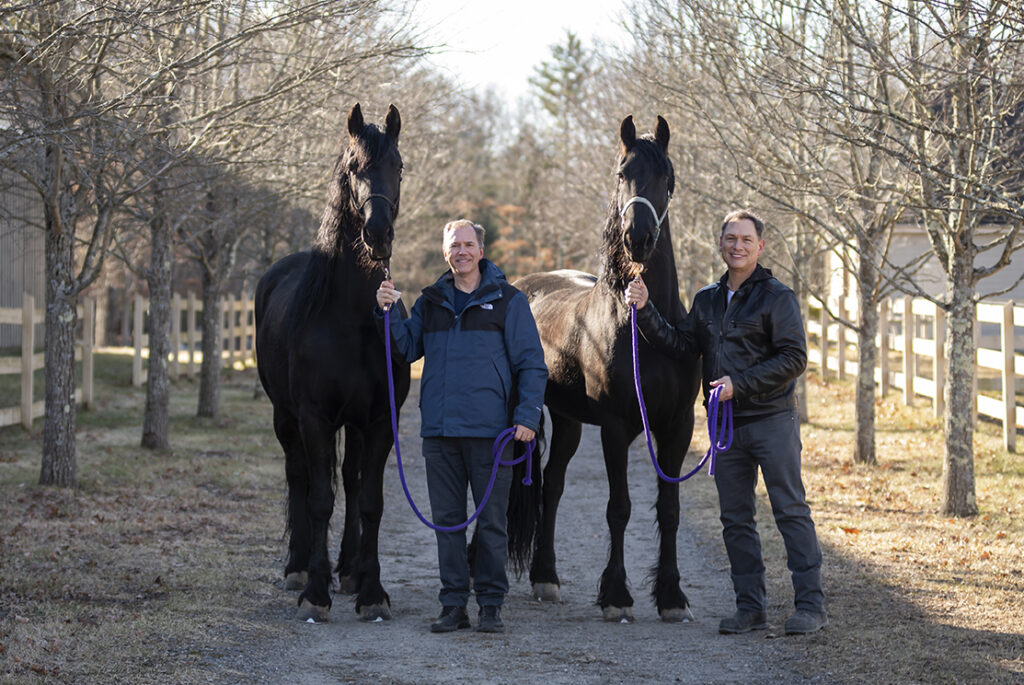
393, 123
627, 133
661, 133
355, 121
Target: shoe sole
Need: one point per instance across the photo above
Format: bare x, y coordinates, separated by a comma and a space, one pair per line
740, 631
490, 630
807, 632
445, 629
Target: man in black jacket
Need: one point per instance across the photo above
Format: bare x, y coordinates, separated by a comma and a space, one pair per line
749, 334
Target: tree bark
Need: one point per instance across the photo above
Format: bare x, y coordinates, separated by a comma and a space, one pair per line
209, 371
958, 496
156, 419
867, 351
60, 448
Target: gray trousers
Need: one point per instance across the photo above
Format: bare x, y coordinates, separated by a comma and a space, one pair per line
451, 465
772, 444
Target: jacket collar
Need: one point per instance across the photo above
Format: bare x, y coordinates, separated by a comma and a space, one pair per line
760, 273
443, 289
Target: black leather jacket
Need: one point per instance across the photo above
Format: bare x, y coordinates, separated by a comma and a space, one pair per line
757, 340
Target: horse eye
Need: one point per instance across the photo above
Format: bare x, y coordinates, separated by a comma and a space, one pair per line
620, 176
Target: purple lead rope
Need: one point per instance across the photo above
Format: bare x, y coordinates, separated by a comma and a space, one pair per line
499, 446
719, 443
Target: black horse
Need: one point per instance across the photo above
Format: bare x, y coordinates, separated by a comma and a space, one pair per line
322, 364
584, 325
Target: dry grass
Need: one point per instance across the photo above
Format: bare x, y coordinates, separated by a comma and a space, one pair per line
913, 596
159, 565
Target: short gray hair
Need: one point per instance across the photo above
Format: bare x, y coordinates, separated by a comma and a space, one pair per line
462, 223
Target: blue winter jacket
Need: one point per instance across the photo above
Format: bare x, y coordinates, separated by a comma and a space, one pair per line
483, 369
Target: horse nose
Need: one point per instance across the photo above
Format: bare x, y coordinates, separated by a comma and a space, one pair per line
378, 233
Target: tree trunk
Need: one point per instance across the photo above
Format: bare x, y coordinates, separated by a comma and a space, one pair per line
158, 387
958, 496
59, 443
864, 403
209, 371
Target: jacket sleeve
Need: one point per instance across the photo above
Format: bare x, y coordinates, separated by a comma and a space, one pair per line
788, 357
526, 359
406, 333
664, 337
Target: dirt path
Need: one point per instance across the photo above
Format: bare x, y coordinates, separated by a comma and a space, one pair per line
550, 643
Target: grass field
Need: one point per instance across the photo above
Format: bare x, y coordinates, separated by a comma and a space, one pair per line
133, 576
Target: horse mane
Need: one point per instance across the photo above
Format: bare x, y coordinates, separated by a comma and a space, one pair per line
339, 232
616, 266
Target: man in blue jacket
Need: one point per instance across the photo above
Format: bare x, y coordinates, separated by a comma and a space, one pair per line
483, 370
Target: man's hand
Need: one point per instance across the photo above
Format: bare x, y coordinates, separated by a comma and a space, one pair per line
636, 293
387, 295
524, 434
726, 384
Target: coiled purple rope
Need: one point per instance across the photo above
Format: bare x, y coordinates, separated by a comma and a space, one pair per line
499, 446
714, 404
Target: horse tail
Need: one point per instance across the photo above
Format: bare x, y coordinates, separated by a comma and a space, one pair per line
524, 508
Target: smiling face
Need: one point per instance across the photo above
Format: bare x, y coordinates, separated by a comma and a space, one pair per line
463, 251
740, 246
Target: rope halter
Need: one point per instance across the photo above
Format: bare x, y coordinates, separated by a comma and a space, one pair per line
644, 201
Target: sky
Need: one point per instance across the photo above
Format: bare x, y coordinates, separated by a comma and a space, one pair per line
498, 42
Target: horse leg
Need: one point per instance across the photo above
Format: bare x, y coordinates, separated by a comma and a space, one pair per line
287, 430
318, 439
372, 602
348, 555
613, 596
673, 606
565, 438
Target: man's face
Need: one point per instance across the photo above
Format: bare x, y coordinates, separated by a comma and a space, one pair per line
740, 246
462, 251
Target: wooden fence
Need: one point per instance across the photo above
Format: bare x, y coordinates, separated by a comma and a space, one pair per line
238, 335
911, 342
30, 361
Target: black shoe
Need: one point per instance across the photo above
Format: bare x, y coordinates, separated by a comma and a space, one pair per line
743, 621
451, 619
490, 620
805, 621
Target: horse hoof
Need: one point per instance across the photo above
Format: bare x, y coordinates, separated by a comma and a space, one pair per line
310, 612
683, 615
375, 612
618, 614
348, 585
547, 592
296, 580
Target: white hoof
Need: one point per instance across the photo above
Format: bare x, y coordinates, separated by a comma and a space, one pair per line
308, 610
375, 612
683, 615
547, 592
618, 614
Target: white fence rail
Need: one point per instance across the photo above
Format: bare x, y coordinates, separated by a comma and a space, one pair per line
911, 341
29, 361
237, 333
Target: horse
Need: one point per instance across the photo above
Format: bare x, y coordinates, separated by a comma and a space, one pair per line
321, 362
584, 326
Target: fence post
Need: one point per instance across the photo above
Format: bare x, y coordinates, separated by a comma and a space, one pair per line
88, 335
824, 341
883, 345
137, 340
251, 304
191, 326
28, 344
908, 351
1009, 381
175, 335
225, 332
939, 368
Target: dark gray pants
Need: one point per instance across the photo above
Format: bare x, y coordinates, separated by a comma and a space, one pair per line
772, 444
452, 464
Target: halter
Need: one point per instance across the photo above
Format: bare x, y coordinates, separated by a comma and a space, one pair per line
645, 201
386, 199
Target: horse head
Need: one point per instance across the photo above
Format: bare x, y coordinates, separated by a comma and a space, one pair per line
373, 167
646, 181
